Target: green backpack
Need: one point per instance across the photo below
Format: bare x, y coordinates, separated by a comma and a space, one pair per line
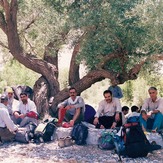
105, 141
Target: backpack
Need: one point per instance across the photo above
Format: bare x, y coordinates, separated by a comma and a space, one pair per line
45, 130
132, 141
136, 143
79, 134
22, 135
105, 141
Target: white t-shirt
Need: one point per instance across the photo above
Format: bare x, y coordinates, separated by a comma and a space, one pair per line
25, 108
5, 120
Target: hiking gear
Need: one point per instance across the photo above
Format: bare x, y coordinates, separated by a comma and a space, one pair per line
22, 135
44, 131
61, 142
68, 141
133, 119
32, 114
66, 125
89, 113
132, 141
62, 113
79, 134
105, 141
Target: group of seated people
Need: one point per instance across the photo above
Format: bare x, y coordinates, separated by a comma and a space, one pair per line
14, 114
109, 114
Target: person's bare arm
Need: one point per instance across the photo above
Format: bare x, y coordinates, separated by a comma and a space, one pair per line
76, 115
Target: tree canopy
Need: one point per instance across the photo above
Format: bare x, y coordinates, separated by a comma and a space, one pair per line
114, 39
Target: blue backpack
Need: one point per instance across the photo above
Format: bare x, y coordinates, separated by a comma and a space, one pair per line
79, 134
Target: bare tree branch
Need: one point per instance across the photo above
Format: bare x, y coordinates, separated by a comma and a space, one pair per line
3, 45
3, 22
2, 3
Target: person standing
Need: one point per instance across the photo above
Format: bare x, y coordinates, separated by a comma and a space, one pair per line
154, 109
109, 113
116, 91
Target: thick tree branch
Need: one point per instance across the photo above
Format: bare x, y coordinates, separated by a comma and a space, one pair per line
3, 45
3, 22
74, 67
156, 57
105, 59
84, 83
2, 3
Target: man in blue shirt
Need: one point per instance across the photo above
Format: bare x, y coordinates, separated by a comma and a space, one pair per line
116, 91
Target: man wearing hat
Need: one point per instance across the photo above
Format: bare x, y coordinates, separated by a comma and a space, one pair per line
12, 103
7, 127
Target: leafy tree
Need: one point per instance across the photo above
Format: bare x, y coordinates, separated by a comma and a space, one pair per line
12, 75
113, 38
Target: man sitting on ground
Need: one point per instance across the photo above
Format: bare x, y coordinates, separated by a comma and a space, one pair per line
154, 109
25, 107
109, 113
125, 110
72, 109
7, 127
12, 103
134, 115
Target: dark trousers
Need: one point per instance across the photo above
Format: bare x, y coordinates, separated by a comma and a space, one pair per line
6, 134
107, 121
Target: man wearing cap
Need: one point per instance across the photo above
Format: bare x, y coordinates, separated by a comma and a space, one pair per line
7, 127
26, 111
154, 109
12, 103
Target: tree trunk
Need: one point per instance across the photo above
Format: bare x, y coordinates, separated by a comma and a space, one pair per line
41, 96
74, 67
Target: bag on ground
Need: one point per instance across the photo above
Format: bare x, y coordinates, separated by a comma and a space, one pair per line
79, 134
132, 141
22, 135
44, 131
105, 141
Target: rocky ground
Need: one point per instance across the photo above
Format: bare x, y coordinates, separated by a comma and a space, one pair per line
50, 152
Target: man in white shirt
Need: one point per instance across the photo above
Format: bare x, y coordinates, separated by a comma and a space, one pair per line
25, 106
72, 109
154, 109
7, 127
109, 113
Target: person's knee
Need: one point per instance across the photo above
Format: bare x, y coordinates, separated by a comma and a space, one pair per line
159, 115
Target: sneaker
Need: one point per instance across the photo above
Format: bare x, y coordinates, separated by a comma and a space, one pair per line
66, 125
68, 141
61, 142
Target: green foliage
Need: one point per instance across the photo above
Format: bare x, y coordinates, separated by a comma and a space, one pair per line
39, 25
110, 26
128, 92
15, 73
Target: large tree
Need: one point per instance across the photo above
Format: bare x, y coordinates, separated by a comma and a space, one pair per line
114, 39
